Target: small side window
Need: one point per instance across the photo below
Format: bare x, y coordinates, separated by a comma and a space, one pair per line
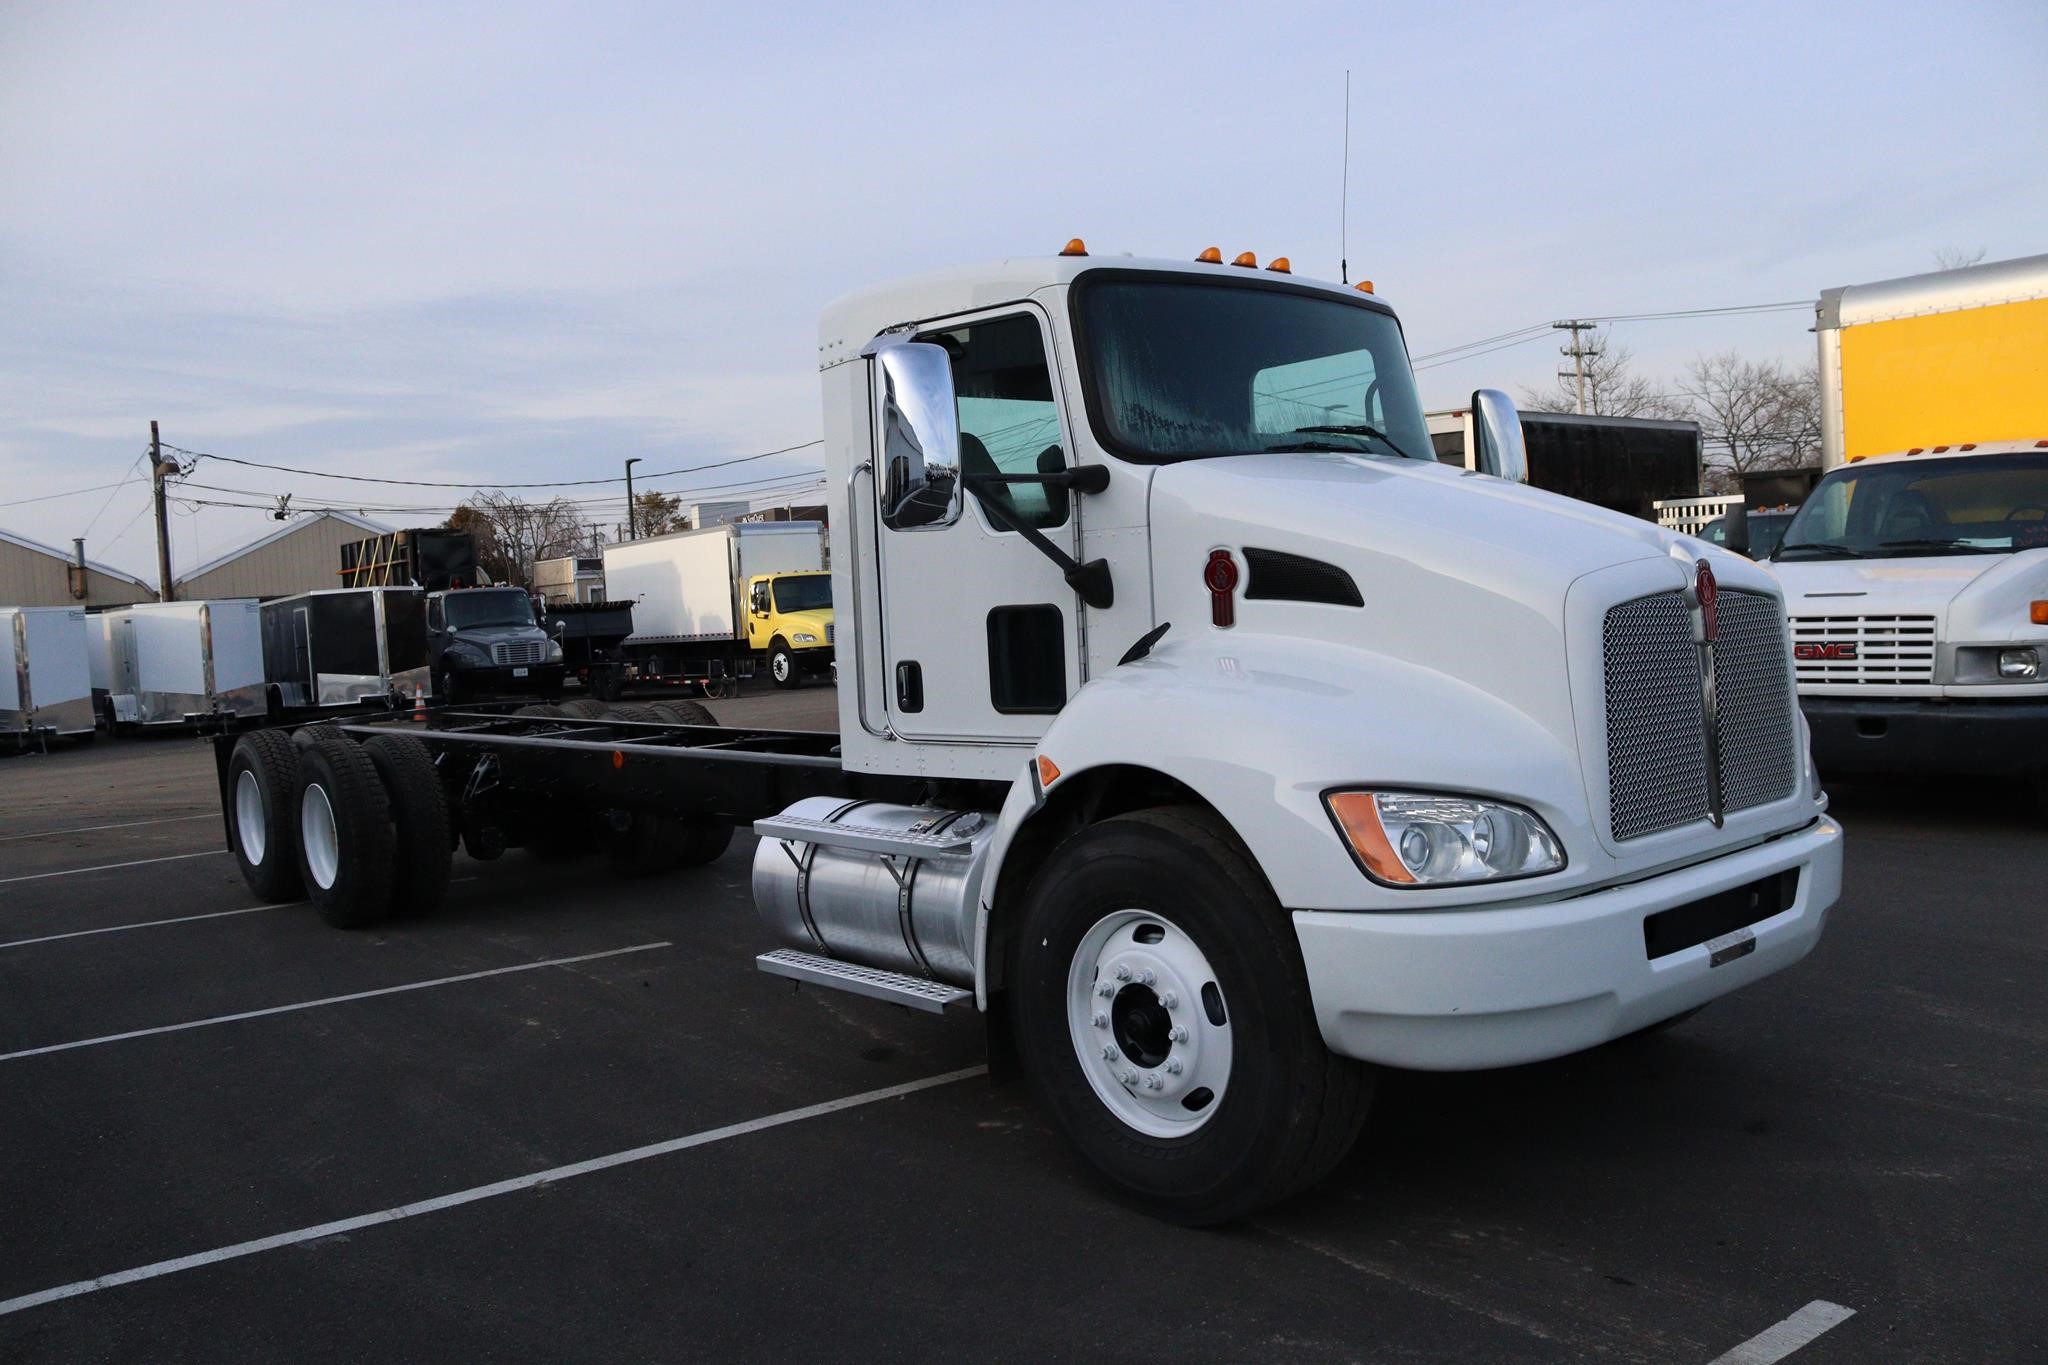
1027, 660
1009, 416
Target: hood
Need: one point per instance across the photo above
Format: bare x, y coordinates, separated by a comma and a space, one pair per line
813, 621
1916, 584
489, 635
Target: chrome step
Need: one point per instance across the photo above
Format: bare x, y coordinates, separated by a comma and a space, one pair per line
865, 838
915, 991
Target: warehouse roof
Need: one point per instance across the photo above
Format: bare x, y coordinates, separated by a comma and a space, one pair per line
297, 524
106, 570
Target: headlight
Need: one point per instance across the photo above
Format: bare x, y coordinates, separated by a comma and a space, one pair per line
803, 638
2020, 665
1419, 839
554, 651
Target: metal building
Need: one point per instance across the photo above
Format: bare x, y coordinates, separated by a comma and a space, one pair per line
35, 575
303, 555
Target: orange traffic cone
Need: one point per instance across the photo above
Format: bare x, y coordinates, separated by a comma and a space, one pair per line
419, 704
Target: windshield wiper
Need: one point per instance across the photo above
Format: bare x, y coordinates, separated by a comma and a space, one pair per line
1360, 429
1936, 543
1293, 447
1824, 549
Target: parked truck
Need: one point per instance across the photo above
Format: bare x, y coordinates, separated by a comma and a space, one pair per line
1935, 359
1214, 755
712, 604
488, 640
1625, 463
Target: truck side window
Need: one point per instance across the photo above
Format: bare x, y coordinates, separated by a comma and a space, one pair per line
1009, 418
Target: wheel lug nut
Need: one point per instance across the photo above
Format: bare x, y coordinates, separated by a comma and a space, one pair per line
1177, 1034
1154, 1083
1122, 973
1108, 1054
1101, 1019
1149, 977
1129, 1077
1173, 1066
1170, 1000
1105, 990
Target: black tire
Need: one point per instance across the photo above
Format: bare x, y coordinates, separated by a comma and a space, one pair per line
542, 712
609, 686
306, 736
583, 708
703, 841
348, 874
1290, 1109
269, 860
782, 669
635, 711
419, 819
653, 843
447, 688
683, 713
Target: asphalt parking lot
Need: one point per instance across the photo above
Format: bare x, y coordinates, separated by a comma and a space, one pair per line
232, 1133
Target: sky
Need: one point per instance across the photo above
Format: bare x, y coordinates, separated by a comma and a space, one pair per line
505, 243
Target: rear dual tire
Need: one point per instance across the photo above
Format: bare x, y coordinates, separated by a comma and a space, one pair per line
263, 816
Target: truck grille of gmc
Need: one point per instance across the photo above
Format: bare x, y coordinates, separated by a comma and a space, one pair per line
1861, 650
1662, 716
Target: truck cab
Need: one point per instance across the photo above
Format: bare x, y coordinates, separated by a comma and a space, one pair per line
789, 619
483, 641
1917, 584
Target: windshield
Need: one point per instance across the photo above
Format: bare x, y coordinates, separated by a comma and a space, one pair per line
805, 592
1984, 504
490, 607
1766, 529
1184, 369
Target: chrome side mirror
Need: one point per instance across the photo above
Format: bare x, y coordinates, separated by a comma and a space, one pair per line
1497, 432
919, 467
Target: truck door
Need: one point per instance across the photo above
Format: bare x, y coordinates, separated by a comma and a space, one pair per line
980, 633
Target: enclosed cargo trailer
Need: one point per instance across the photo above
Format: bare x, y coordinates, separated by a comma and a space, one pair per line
341, 646
173, 663
45, 674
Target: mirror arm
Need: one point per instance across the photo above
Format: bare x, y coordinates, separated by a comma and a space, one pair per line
1091, 580
1087, 478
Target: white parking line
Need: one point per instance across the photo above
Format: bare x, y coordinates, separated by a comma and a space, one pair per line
145, 924
109, 867
475, 1193
123, 824
327, 1000
1780, 1339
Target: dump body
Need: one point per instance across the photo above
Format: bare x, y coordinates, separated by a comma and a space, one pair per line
1935, 359
430, 557
1627, 464
45, 673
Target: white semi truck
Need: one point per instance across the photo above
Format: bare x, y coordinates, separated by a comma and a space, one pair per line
1196, 726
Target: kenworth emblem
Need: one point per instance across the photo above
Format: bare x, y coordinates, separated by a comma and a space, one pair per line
1707, 594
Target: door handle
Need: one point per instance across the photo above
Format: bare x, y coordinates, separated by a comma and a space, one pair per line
909, 687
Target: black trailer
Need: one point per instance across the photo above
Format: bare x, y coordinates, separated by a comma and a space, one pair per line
343, 646
360, 814
592, 635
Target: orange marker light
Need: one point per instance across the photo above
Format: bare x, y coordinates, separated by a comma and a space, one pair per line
618, 758
1211, 255
1048, 771
1365, 286
2037, 612
1281, 264
1074, 247
1247, 260
1358, 815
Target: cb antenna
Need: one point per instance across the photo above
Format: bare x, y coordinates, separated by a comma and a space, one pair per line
1344, 207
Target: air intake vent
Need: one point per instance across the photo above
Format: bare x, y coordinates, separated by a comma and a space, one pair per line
1278, 577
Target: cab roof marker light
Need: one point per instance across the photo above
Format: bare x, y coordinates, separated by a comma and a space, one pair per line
1211, 255
1074, 247
1281, 266
1365, 286
1247, 260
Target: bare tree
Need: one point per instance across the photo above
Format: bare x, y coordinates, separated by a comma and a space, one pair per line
512, 533
1753, 415
658, 513
1955, 258
1613, 388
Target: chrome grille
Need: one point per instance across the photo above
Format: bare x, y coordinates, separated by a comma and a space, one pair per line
1889, 649
517, 652
1656, 738
1758, 745
828, 631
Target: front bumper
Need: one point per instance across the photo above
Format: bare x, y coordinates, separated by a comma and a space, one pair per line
1462, 990
1970, 738
504, 678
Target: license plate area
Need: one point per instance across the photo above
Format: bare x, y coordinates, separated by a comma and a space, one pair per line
1718, 917
518, 672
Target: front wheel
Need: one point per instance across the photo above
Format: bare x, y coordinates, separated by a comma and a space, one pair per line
782, 666
1163, 1015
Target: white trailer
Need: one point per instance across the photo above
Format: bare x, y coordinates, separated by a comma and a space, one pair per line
1197, 726
176, 663
45, 674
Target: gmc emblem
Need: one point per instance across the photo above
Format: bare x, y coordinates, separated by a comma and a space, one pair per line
1824, 653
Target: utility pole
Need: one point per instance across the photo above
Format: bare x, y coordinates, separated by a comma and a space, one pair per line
631, 533
1579, 354
158, 467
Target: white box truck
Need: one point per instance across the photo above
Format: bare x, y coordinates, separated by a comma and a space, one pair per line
1217, 756
710, 604
45, 675
178, 663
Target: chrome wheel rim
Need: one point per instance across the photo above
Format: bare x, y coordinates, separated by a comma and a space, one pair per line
250, 829
317, 833
1149, 1023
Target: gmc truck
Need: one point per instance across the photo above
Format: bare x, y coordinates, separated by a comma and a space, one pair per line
1216, 751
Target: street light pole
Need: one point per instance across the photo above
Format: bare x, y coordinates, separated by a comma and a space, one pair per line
631, 532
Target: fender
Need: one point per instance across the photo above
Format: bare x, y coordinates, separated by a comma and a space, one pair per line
1260, 726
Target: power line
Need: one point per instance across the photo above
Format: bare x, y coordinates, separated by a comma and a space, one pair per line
52, 497
434, 483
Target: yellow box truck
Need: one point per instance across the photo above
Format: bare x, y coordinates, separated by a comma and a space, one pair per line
1936, 359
